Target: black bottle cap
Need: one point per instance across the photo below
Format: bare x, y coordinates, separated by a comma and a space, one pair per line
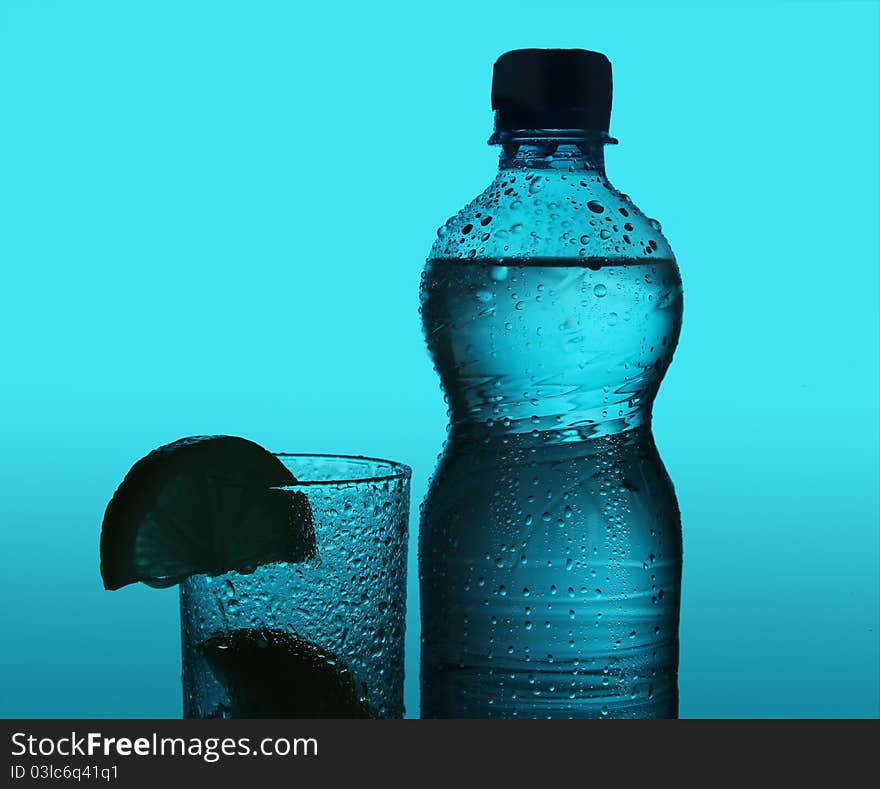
552, 89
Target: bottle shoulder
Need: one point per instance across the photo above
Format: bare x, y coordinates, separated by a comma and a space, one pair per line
551, 214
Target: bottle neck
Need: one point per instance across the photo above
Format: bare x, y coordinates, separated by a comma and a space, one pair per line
552, 149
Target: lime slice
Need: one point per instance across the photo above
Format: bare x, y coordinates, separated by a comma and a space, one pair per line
274, 674
203, 505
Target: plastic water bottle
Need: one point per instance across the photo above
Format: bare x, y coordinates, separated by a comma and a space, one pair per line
550, 541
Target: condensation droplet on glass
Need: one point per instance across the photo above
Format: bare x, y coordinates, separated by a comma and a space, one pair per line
483, 296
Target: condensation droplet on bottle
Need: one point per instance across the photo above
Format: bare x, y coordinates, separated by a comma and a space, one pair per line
600, 290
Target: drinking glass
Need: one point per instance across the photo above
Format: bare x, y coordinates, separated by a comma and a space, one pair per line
318, 638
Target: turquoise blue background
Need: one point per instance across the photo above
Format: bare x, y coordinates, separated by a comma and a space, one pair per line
213, 216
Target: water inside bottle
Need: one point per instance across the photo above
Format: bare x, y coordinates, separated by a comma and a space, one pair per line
550, 569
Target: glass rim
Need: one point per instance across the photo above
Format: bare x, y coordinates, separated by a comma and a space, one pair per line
397, 470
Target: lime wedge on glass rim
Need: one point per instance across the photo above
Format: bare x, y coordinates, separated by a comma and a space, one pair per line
204, 504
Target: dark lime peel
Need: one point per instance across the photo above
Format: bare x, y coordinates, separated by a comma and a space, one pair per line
204, 504
273, 674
